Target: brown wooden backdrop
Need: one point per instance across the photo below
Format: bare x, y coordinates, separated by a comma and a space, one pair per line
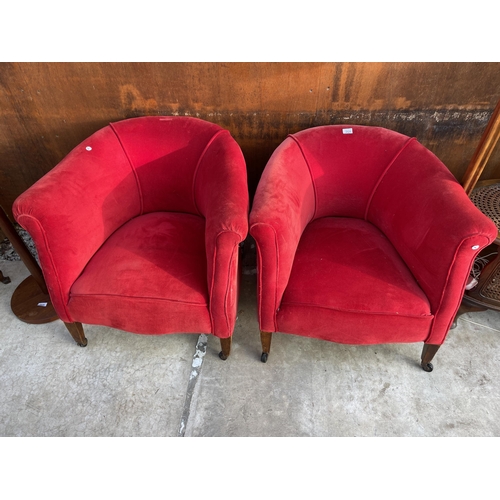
46, 109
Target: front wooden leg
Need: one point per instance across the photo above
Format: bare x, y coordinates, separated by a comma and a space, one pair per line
76, 330
265, 339
226, 348
428, 353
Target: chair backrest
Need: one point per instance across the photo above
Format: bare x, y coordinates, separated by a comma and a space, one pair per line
164, 153
346, 164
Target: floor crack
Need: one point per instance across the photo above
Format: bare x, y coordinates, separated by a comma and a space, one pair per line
481, 325
200, 351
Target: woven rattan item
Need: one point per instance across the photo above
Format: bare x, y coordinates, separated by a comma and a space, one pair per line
486, 197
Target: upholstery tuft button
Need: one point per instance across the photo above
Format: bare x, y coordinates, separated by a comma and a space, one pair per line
88, 148
475, 247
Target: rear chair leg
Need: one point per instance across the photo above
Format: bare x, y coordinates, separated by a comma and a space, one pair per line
265, 339
76, 330
428, 353
464, 308
226, 348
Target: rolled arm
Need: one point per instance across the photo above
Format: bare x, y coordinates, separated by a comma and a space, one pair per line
284, 204
221, 195
435, 227
72, 209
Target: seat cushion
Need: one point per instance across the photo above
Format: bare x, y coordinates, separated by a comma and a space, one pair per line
150, 276
348, 284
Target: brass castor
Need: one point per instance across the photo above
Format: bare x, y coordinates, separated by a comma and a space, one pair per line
264, 356
427, 367
222, 356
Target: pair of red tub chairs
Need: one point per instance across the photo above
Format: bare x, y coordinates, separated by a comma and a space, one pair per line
363, 236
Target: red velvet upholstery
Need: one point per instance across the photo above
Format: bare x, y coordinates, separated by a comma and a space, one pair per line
362, 238
139, 227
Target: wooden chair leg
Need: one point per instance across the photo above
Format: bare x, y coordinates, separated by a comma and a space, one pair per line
428, 353
226, 348
465, 307
265, 339
76, 330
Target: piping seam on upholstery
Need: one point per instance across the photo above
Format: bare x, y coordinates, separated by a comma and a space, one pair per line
259, 257
209, 143
211, 292
63, 302
411, 139
275, 322
354, 311
141, 201
310, 173
226, 297
212, 322
137, 297
443, 293
275, 310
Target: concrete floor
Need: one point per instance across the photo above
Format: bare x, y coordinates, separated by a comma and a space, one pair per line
123, 384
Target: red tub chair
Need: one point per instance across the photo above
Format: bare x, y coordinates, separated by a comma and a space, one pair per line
139, 228
363, 237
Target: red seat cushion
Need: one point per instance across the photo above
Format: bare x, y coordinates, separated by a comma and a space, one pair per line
346, 283
149, 275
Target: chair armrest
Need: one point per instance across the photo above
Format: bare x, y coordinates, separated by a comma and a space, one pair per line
280, 212
73, 209
221, 195
434, 226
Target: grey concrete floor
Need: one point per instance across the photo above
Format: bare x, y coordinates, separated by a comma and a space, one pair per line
123, 384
